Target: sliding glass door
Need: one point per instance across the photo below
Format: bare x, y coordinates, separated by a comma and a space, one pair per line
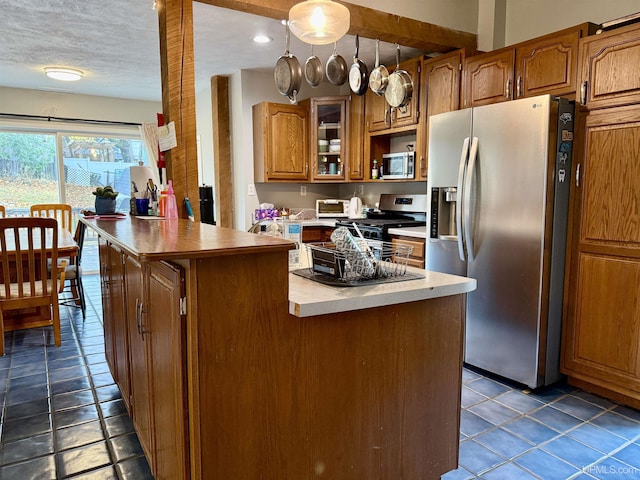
65, 167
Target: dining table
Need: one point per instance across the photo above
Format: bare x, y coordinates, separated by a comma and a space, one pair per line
41, 316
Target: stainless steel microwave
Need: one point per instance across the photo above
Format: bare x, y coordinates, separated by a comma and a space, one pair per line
398, 165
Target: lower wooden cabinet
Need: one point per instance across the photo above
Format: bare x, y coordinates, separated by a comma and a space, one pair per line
317, 234
601, 333
416, 258
140, 379
145, 338
114, 315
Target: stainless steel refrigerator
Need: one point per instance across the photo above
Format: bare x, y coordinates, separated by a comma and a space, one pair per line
498, 183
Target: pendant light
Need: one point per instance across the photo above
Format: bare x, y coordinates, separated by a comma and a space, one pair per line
319, 22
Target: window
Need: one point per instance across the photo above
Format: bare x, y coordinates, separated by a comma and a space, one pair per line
40, 165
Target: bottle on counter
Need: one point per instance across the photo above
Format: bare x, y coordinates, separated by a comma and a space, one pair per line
171, 210
374, 170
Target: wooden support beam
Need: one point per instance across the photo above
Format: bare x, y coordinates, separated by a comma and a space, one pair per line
179, 98
370, 23
222, 162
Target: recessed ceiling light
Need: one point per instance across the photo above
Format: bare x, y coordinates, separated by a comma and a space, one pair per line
262, 39
65, 74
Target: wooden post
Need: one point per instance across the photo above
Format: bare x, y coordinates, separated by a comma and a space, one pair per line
222, 162
179, 98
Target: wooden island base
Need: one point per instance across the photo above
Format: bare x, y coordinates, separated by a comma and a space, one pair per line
222, 382
367, 394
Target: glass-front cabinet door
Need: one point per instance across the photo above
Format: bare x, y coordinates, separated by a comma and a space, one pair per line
328, 138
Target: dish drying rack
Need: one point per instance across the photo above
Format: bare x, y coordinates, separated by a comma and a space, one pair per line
359, 260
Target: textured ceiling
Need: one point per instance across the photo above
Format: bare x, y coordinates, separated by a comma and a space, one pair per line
115, 42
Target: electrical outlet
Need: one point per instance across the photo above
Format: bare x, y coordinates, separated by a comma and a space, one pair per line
251, 190
361, 189
303, 190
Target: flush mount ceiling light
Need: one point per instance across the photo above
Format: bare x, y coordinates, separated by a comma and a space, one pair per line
261, 39
65, 74
319, 22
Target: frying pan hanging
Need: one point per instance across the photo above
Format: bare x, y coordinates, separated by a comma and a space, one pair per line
287, 73
400, 87
358, 73
313, 71
336, 68
379, 77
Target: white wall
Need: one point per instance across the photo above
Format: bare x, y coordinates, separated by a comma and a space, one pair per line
456, 14
53, 104
204, 132
527, 19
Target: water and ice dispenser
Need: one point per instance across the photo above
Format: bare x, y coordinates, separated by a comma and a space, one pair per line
442, 224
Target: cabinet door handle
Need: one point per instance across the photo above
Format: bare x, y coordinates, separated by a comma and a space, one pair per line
507, 90
578, 175
138, 319
386, 114
583, 93
519, 87
139, 311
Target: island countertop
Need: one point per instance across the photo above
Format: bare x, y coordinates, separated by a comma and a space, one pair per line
149, 238
308, 298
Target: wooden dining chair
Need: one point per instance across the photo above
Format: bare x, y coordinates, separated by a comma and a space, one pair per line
3, 212
26, 280
73, 274
60, 211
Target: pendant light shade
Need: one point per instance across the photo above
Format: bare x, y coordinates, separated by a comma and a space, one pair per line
319, 22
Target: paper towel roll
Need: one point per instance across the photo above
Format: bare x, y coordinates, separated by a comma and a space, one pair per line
141, 175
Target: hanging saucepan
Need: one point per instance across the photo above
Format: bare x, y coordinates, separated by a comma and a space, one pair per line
313, 71
288, 74
358, 73
400, 87
380, 75
336, 68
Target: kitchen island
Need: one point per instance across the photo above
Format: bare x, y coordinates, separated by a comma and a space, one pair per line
222, 381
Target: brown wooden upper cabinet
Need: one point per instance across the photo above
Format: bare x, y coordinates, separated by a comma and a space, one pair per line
380, 115
329, 127
281, 141
608, 68
544, 65
440, 80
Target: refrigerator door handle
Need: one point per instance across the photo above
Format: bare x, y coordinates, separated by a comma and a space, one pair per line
468, 234
461, 171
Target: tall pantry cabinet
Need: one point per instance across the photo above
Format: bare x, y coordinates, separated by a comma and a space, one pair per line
601, 335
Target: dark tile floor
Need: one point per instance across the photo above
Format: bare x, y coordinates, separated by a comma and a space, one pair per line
63, 417
62, 414
555, 433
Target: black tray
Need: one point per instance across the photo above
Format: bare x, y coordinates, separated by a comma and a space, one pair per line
336, 282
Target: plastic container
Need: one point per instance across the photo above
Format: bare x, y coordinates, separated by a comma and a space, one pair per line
171, 210
162, 204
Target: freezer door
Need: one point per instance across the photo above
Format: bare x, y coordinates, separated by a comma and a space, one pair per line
447, 134
508, 191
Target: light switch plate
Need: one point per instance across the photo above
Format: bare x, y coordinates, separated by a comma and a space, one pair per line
251, 190
303, 190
